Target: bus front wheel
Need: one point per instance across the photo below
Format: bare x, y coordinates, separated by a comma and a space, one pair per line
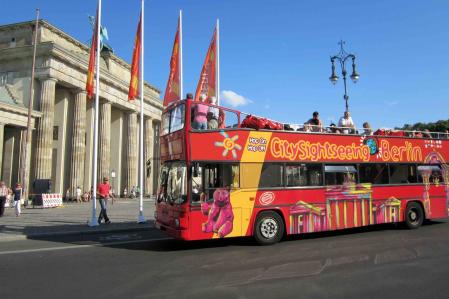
414, 215
269, 228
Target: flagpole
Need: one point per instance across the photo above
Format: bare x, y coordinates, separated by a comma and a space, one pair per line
25, 169
93, 221
181, 91
217, 87
141, 218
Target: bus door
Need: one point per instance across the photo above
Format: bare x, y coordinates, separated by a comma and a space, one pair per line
435, 193
215, 213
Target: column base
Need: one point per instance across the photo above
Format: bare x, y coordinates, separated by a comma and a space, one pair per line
93, 222
141, 219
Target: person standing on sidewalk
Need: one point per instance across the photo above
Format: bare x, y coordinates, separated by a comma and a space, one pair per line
3, 194
104, 192
78, 194
17, 198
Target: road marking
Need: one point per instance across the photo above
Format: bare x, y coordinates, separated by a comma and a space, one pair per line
81, 246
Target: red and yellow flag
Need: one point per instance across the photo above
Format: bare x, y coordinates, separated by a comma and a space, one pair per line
207, 82
134, 82
172, 90
92, 60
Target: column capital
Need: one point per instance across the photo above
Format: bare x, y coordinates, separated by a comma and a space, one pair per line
47, 78
79, 91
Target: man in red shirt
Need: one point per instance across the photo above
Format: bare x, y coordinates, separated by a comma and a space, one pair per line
103, 194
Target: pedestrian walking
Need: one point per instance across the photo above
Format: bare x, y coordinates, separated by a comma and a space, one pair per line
3, 194
78, 194
18, 198
133, 192
104, 192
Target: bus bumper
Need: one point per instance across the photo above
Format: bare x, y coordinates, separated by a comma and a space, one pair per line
171, 231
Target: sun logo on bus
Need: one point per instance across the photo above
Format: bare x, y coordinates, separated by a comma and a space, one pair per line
371, 143
228, 144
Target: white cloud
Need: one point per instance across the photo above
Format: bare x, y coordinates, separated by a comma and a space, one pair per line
391, 103
234, 99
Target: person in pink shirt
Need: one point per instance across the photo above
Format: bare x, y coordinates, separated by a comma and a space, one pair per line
200, 115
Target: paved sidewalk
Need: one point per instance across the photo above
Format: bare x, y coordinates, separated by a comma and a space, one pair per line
72, 218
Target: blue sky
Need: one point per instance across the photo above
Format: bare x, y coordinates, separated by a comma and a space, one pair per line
275, 54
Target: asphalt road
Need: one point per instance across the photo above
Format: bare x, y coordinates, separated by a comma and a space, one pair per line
379, 262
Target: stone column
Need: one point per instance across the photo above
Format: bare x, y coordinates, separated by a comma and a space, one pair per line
148, 147
78, 142
45, 129
2, 137
132, 152
104, 153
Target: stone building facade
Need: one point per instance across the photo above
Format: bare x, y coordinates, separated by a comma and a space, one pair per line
62, 115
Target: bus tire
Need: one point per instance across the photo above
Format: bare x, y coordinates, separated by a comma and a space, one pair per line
414, 215
269, 228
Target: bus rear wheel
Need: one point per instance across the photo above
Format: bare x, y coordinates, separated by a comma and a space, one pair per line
269, 228
414, 215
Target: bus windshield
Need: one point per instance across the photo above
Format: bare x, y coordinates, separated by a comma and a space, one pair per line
173, 183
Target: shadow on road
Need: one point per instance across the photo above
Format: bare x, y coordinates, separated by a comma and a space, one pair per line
179, 245
131, 236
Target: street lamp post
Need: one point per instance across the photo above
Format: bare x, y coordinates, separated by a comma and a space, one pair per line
342, 57
113, 180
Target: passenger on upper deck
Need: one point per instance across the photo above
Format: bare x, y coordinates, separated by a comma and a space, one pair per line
315, 122
200, 114
367, 129
212, 115
333, 129
426, 134
346, 124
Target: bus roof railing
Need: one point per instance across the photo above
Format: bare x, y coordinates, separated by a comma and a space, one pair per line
332, 129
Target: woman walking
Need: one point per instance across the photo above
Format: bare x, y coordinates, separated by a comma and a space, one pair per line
17, 198
3, 194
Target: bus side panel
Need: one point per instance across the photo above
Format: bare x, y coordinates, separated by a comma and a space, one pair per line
438, 197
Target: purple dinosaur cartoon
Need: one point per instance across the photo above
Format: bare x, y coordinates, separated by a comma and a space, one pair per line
219, 214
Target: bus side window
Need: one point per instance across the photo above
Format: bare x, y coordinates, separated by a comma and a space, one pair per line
298, 175
374, 173
340, 174
403, 174
197, 183
272, 175
213, 176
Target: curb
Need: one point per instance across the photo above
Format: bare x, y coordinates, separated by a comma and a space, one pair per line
21, 237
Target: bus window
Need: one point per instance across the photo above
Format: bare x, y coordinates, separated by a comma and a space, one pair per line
432, 173
213, 176
374, 173
403, 174
303, 175
177, 118
173, 183
272, 175
227, 119
163, 178
165, 123
340, 174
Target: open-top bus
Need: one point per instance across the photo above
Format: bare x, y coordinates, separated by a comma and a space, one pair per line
237, 181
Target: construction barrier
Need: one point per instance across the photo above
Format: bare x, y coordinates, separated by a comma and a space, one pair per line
51, 200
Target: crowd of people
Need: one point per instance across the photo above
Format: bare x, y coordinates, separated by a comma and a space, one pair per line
346, 126
206, 117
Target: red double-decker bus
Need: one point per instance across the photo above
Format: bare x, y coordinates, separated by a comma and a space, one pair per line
235, 181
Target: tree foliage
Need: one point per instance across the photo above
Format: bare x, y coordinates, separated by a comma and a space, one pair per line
439, 126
